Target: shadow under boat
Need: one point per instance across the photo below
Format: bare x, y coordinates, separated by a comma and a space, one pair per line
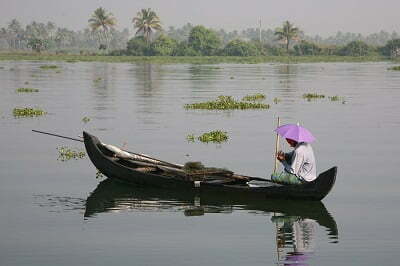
112, 196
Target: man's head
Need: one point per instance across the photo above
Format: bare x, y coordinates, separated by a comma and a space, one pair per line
292, 142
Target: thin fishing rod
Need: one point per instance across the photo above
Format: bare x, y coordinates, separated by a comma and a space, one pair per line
138, 154
55, 135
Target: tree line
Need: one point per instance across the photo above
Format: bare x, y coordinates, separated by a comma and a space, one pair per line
151, 39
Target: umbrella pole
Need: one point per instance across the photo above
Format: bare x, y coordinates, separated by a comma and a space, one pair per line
276, 147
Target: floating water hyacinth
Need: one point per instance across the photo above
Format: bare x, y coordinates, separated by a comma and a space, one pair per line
310, 96
66, 154
27, 90
48, 67
216, 136
25, 112
190, 138
277, 100
226, 103
254, 97
85, 119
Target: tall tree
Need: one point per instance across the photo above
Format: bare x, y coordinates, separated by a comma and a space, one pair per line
146, 21
287, 33
101, 22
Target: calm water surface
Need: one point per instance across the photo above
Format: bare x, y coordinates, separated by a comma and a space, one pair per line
58, 213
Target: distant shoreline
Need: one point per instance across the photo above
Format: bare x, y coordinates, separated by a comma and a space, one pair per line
190, 59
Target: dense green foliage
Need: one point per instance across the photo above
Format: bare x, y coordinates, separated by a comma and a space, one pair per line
355, 48
137, 46
307, 48
216, 136
396, 68
163, 46
226, 103
254, 97
240, 48
204, 41
310, 96
26, 112
66, 154
392, 48
27, 90
38, 45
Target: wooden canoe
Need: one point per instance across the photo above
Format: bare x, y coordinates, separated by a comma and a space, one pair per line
172, 177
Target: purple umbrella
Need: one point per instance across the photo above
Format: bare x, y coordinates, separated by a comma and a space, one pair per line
295, 132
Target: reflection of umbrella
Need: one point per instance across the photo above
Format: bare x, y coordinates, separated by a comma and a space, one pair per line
295, 132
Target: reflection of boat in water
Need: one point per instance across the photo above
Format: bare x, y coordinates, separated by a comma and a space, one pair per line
112, 196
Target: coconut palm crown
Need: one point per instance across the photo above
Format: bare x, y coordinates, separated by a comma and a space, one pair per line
102, 21
287, 33
146, 21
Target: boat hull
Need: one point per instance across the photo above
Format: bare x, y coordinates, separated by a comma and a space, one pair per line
110, 167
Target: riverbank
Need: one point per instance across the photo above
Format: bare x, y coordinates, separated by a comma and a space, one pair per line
187, 59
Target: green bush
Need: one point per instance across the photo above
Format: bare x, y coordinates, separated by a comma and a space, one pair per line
204, 41
307, 48
392, 48
137, 46
356, 48
163, 46
240, 48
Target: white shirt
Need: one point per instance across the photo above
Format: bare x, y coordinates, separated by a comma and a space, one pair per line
302, 162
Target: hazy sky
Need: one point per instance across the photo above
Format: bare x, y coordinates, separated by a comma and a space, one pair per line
312, 16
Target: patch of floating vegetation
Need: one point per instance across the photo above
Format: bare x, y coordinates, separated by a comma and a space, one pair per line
71, 61
216, 136
99, 174
396, 68
226, 103
28, 112
49, 67
254, 97
337, 98
190, 138
27, 90
310, 96
277, 100
232, 77
97, 80
66, 154
85, 119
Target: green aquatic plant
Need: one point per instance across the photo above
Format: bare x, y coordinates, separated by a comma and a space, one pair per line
310, 96
27, 90
276, 100
85, 119
216, 136
48, 67
190, 138
65, 154
99, 174
334, 98
232, 77
254, 97
396, 68
97, 80
25, 112
226, 103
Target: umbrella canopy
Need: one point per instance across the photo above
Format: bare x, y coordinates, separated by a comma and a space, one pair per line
295, 132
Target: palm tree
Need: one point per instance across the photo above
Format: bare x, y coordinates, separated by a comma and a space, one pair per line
102, 21
146, 21
287, 33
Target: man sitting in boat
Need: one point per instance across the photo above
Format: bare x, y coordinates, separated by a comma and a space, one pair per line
299, 165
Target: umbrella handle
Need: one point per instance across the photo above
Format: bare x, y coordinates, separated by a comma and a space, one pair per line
276, 147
